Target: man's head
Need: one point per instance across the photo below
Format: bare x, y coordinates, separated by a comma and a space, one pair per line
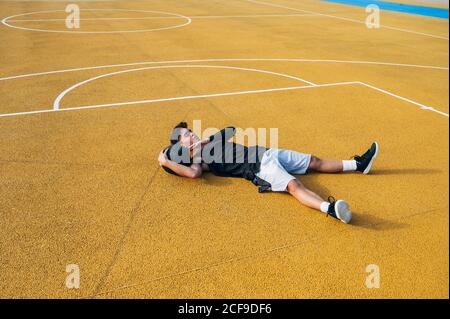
180, 141
183, 135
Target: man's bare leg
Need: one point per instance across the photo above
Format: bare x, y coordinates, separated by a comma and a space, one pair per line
331, 165
337, 209
304, 195
361, 163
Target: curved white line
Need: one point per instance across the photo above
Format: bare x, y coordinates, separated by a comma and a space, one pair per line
422, 106
58, 99
95, 19
225, 60
179, 98
189, 21
191, 97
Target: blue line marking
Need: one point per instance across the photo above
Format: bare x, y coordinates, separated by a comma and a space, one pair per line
398, 7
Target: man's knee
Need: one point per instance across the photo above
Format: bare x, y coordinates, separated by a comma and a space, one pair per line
315, 163
293, 185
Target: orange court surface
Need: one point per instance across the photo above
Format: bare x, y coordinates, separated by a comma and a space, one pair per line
84, 113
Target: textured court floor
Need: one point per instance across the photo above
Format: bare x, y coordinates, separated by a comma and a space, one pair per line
85, 112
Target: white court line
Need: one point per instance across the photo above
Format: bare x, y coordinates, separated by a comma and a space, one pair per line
165, 17
205, 96
7, 19
228, 60
58, 99
62, 94
422, 106
346, 19
256, 16
59, 1
174, 99
27, 113
224, 60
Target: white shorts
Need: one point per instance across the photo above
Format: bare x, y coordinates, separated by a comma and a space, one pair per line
278, 165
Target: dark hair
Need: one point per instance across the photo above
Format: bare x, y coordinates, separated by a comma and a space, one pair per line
176, 132
176, 150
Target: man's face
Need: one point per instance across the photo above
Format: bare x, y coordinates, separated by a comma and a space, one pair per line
187, 137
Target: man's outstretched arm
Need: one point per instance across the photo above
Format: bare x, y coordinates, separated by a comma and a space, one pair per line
193, 171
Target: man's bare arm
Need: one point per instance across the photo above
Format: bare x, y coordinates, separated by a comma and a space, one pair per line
194, 171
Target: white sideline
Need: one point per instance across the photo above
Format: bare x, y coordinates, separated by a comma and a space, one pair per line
345, 19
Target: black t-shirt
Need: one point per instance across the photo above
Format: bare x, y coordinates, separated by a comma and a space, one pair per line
230, 159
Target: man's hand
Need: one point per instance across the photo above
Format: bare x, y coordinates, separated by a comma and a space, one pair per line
162, 158
197, 147
199, 143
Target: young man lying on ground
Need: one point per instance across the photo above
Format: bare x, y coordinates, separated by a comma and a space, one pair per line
271, 169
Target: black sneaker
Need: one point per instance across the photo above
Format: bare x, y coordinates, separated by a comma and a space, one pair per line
365, 161
339, 210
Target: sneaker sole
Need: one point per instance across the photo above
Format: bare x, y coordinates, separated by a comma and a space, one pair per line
367, 170
343, 211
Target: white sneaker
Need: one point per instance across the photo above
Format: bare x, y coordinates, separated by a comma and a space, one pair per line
339, 209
